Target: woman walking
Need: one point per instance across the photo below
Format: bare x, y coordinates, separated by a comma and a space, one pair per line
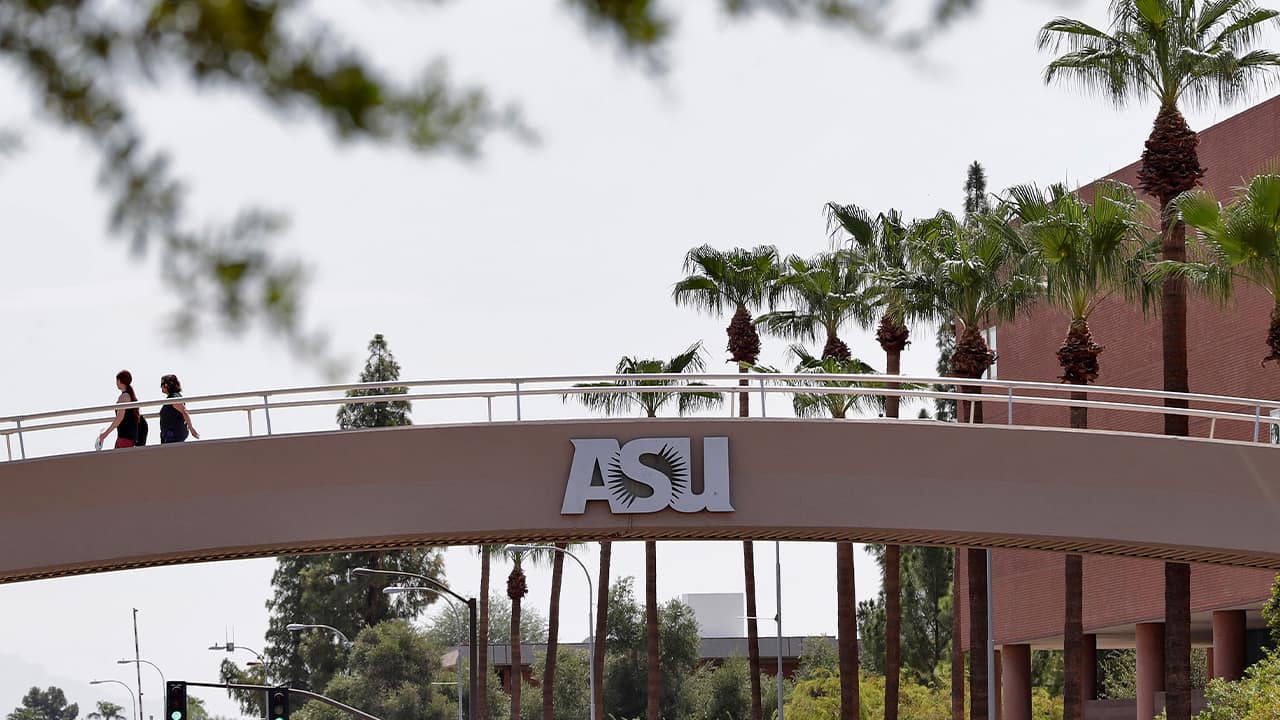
175, 422
126, 421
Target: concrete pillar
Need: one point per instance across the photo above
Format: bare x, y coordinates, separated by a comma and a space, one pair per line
1150, 637
1090, 667
1228, 644
1015, 676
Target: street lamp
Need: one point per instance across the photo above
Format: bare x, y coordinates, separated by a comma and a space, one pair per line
471, 619
453, 604
295, 627
138, 664
132, 700
232, 647
591, 623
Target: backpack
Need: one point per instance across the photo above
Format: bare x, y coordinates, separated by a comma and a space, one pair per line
142, 431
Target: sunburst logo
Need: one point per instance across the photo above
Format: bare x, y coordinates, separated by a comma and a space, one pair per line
647, 475
667, 461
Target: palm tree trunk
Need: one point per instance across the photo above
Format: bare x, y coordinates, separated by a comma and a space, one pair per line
553, 633
847, 631
1073, 659
977, 571
1078, 357
1273, 335
893, 337
517, 588
957, 650
653, 705
482, 639
753, 633
892, 629
602, 623
1177, 640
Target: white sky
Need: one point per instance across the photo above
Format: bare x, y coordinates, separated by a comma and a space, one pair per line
550, 259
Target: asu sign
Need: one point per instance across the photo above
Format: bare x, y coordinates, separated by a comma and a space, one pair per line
647, 475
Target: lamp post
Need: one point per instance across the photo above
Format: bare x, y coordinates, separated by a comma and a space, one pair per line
453, 604
591, 623
232, 647
132, 700
471, 619
138, 662
296, 627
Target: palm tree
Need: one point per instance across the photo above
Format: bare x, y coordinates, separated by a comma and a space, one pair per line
653, 701
1087, 251
517, 588
1241, 241
976, 272
486, 553
107, 711
602, 625
879, 244
847, 630
745, 280
827, 292
650, 401
837, 405
553, 629
1168, 50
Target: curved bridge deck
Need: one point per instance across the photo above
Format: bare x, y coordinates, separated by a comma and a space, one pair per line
870, 481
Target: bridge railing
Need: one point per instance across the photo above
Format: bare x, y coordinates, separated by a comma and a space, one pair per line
257, 406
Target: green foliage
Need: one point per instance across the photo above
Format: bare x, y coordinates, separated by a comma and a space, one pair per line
722, 692
720, 280
625, 673
1241, 240
1254, 697
836, 405
944, 409
618, 402
1271, 612
449, 625
827, 292
975, 191
926, 584
390, 673
381, 366
1086, 250
1168, 50
111, 711
572, 693
48, 704
817, 653
1117, 674
1047, 671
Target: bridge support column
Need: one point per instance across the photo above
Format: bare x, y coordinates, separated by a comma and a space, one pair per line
1228, 644
1090, 667
1150, 637
1015, 673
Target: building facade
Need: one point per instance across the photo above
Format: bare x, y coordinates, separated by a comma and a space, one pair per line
1124, 598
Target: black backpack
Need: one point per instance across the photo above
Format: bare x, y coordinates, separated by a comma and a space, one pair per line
142, 430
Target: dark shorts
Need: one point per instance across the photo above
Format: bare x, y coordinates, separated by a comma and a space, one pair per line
123, 442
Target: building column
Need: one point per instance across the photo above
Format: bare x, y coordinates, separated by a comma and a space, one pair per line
1015, 676
1150, 641
1228, 644
1090, 667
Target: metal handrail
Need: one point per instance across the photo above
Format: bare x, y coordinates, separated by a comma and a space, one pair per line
728, 382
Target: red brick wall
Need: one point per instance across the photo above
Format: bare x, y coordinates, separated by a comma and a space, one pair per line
1225, 347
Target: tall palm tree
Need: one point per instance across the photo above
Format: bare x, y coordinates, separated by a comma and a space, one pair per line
847, 630
827, 292
517, 588
1241, 241
553, 630
653, 695
876, 245
602, 625
837, 405
486, 553
1170, 51
976, 273
650, 401
745, 280
1088, 252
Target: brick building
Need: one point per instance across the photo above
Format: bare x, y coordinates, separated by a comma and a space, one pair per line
1123, 598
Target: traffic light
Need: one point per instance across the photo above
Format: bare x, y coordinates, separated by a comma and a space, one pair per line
278, 700
175, 700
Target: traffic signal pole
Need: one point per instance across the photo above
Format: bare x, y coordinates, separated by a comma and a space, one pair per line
291, 691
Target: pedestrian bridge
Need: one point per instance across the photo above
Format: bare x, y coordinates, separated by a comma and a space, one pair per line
481, 480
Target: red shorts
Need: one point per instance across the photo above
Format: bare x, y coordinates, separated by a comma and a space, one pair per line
123, 442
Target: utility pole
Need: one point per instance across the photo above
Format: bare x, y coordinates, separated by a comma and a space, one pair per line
137, 665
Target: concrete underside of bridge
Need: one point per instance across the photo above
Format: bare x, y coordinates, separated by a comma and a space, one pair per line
867, 481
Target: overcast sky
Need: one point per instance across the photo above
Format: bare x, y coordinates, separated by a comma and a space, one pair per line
551, 259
